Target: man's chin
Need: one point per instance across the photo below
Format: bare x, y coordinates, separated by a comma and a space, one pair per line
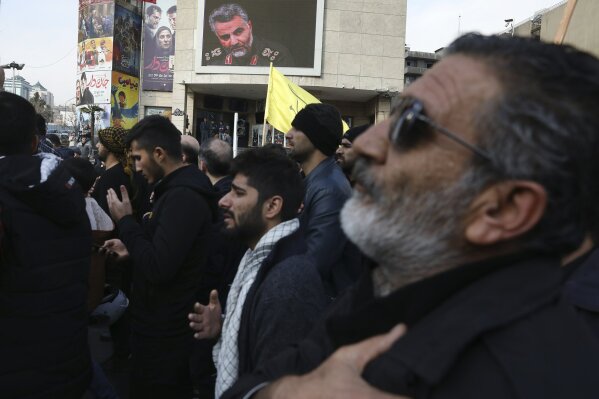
238, 53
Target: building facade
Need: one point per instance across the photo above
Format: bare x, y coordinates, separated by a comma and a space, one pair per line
358, 62
418, 62
44, 94
583, 31
21, 86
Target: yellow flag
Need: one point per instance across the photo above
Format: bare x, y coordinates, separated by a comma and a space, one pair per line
284, 99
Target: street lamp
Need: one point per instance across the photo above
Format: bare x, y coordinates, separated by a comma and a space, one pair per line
13, 65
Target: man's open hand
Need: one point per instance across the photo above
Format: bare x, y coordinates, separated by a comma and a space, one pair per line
340, 376
119, 209
206, 319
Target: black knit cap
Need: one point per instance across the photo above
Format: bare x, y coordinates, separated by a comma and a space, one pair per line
321, 123
354, 132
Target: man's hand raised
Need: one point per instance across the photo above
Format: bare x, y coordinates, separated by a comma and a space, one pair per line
206, 320
340, 375
119, 209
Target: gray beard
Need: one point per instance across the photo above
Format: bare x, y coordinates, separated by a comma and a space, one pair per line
411, 235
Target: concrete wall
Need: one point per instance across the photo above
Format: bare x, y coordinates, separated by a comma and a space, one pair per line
583, 31
363, 48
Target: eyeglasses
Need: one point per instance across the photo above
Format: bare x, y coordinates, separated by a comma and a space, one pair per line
406, 132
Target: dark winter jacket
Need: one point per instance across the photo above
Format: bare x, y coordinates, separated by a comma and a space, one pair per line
339, 262
45, 250
495, 329
282, 305
169, 253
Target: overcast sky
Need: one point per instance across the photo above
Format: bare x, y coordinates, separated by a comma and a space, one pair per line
42, 34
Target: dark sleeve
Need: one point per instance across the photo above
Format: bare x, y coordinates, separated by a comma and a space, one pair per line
100, 191
181, 216
298, 359
291, 301
323, 233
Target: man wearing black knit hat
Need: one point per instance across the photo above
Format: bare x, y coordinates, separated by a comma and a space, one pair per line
314, 137
345, 155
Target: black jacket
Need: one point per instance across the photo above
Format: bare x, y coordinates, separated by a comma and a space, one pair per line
45, 250
497, 329
285, 300
114, 178
169, 253
338, 260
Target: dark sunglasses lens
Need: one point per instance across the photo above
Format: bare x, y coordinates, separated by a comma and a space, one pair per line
410, 131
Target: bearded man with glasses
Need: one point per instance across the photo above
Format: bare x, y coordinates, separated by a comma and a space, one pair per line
468, 198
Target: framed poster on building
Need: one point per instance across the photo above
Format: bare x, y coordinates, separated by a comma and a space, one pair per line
159, 35
245, 36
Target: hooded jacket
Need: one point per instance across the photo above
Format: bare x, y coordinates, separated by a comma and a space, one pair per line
45, 249
169, 252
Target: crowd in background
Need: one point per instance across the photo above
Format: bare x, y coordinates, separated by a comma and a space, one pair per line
448, 251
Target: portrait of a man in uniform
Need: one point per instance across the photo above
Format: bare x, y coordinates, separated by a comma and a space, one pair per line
239, 46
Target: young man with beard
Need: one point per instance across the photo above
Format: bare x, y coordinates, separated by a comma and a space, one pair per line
345, 154
169, 253
468, 198
314, 137
119, 172
277, 294
45, 255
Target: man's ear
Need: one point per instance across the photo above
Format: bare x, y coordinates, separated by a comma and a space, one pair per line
505, 211
159, 154
272, 207
35, 141
203, 167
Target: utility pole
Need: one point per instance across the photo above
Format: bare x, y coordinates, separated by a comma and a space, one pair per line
13, 65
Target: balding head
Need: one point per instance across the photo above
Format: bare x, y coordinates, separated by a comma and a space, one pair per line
190, 148
216, 156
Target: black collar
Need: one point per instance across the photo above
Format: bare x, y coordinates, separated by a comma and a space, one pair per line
446, 311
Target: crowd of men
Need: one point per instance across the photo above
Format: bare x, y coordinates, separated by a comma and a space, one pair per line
462, 263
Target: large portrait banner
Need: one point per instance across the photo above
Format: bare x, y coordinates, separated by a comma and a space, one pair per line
125, 104
93, 88
95, 19
95, 55
127, 41
159, 45
245, 36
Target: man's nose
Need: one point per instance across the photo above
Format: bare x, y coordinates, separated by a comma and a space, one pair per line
374, 142
234, 40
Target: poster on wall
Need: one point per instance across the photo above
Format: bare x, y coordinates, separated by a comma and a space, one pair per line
127, 41
159, 45
92, 88
95, 19
94, 54
124, 106
167, 112
245, 36
102, 119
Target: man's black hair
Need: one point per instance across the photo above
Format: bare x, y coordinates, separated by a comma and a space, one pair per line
217, 155
156, 131
83, 172
40, 125
543, 127
17, 124
271, 172
54, 139
123, 93
172, 9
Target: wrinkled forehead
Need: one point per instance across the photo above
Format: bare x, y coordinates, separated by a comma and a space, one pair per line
455, 87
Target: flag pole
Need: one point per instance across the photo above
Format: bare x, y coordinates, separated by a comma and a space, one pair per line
565, 22
266, 104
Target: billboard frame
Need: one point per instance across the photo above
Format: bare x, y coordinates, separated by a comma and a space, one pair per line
316, 70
